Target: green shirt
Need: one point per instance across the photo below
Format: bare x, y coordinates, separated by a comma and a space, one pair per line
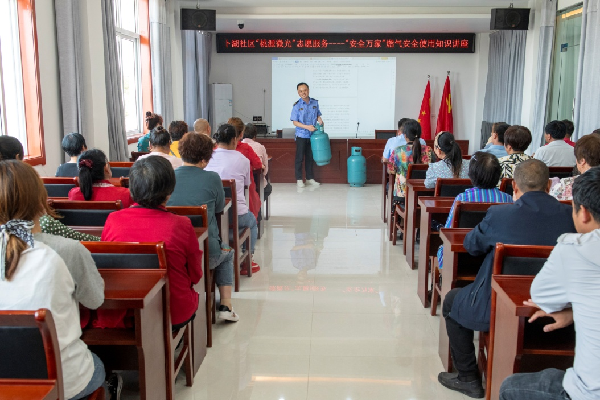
55, 227
196, 187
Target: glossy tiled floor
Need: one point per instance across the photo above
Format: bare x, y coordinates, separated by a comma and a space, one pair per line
333, 313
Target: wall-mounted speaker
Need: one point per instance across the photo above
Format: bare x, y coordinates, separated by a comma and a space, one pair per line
198, 20
510, 19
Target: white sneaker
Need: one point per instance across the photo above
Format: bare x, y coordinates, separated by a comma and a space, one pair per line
312, 182
300, 183
227, 314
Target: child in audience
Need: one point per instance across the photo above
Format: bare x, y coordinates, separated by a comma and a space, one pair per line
196, 187
151, 181
94, 185
566, 289
495, 144
484, 170
401, 157
152, 121
451, 164
160, 145
516, 140
73, 144
177, 129
34, 276
231, 164
587, 154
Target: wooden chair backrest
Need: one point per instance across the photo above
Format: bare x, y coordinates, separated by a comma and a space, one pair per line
560, 172
59, 187
417, 171
520, 259
84, 213
469, 215
451, 187
506, 186
137, 154
121, 164
197, 214
29, 347
230, 191
128, 255
118, 172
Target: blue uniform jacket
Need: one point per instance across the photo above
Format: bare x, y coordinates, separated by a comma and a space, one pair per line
535, 219
306, 114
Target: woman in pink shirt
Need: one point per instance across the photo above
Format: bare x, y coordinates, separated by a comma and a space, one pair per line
94, 173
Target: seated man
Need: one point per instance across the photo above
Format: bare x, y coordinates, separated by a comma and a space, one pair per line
536, 218
557, 153
202, 127
73, 144
495, 144
566, 289
398, 140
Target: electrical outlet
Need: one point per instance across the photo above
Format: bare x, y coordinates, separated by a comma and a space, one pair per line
257, 118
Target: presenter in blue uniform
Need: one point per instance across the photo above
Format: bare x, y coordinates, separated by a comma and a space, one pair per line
305, 115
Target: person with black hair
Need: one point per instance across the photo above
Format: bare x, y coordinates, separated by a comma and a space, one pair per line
516, 140
231, 164
484, 172
398, 140
195, 187
73, 144
94, 184
177, 129
451, 164
11, 148
556, 153
152, 180
152, 121
495, 144
160, 145
570, 127
535, 218
566, 290
401, 157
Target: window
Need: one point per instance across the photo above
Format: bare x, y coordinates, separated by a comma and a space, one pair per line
20, 98
131, 22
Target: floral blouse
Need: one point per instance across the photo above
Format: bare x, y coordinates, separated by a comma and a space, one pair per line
398, 164
441, 169
55, 227
564, 189
510, 162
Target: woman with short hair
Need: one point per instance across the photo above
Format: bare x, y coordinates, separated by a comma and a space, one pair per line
177, 129
516, 140
587, 154
152, 121
160, 145
73, 144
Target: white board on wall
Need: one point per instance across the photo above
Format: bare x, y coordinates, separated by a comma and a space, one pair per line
356, 94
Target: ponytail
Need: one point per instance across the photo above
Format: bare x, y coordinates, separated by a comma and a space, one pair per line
91, 170
451, 149
412, 130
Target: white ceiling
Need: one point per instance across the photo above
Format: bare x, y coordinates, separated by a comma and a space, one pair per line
354, 3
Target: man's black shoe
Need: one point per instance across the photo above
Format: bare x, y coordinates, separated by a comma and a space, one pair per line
472, 389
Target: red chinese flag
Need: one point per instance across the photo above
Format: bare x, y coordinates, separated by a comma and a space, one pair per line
444, 121
425, 114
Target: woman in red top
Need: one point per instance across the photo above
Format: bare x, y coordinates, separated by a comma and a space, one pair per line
152, 180
255, 163
94, 173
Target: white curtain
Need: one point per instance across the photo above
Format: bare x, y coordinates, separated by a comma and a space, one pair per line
160, 51
197, 49
587, 97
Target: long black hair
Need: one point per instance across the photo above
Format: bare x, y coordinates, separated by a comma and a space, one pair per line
448, 145
412, 131
91, 169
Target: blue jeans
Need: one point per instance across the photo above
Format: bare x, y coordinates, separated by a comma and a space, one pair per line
249, 221
222, 267
97, 380
544, 385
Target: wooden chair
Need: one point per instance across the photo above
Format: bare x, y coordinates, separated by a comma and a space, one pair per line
511, 260
560, 172
506, 186
258, 179
466, 215
120, 169
31, 365
137, 154
59, 187
81, 213
120, 182
237, 238
128, 255
451, 187
385, 133
398, 212
267, 202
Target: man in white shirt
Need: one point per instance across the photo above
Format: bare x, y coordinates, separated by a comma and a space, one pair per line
397, 141
557, 153
566, 289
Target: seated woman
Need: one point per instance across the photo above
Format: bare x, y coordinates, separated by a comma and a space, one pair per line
73, 144
451, 164
484, 171
231, 164
177, 129
94, 173
587, 154
196, 187
11, 148
152, 121
34, 276
160, 145
250, 132
151, 182
516, 140
401, 157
